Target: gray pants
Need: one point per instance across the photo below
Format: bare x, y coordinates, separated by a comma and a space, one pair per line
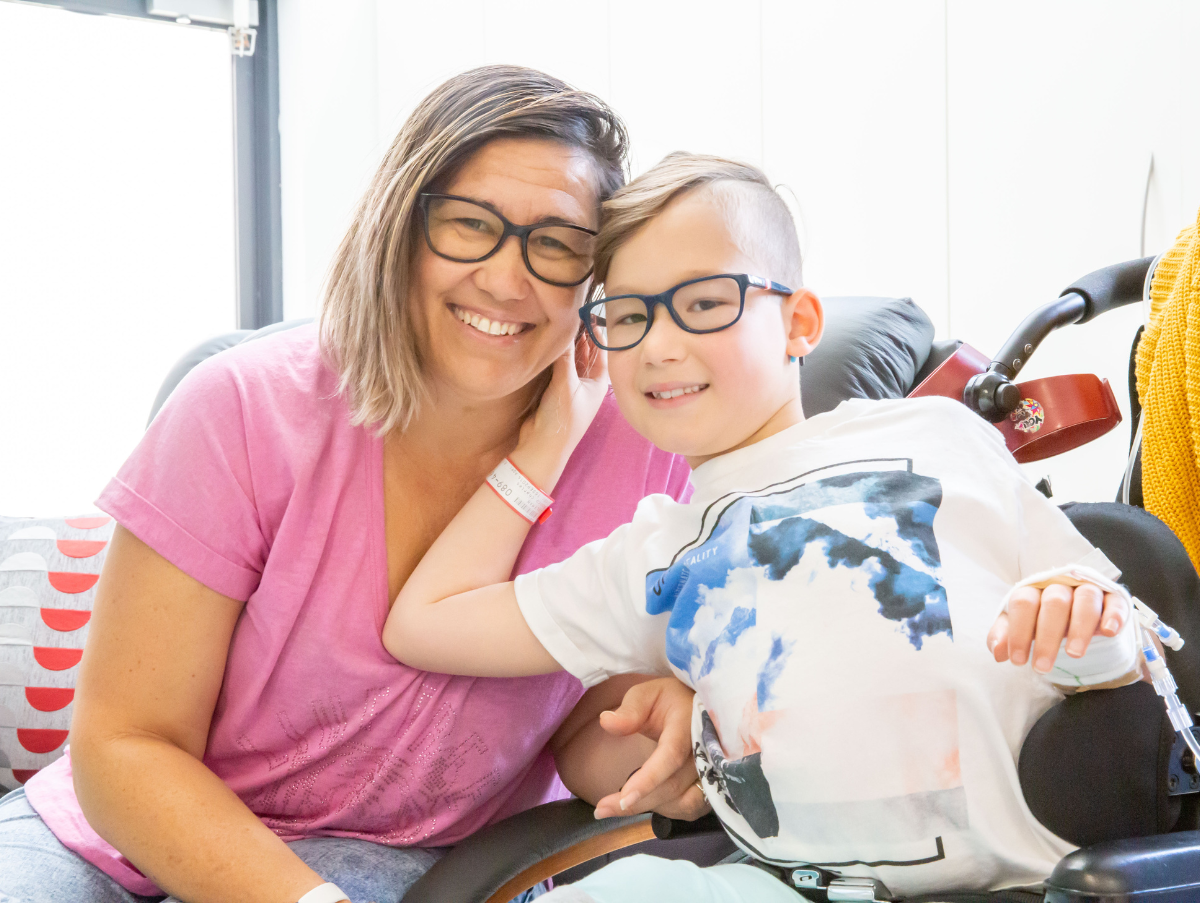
36, 868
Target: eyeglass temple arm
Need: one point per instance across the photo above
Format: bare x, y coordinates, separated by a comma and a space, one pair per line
760, 282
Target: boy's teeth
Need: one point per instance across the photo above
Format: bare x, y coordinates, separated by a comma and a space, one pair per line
675, 393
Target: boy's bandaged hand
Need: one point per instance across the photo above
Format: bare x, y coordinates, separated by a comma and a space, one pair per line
1058, 614
667, 782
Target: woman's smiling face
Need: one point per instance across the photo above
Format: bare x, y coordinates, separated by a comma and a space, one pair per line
528, 180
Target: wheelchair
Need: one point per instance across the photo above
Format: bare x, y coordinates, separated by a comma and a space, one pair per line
1038, 419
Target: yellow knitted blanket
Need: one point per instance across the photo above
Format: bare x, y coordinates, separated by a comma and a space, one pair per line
1168, 385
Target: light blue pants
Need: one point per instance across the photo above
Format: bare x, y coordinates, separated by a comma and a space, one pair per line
36, 868
648, 879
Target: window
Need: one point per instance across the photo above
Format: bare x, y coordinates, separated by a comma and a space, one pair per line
117, 236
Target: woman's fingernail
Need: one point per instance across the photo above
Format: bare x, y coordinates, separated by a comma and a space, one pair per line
1042, 665
991, 644
1112, 625
1075, 648
627, 801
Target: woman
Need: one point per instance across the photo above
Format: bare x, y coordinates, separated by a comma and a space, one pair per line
234, 694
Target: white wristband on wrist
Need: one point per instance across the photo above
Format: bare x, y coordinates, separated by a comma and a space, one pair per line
519, 493
324, 893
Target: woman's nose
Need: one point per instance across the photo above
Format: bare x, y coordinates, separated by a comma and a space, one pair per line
504, 275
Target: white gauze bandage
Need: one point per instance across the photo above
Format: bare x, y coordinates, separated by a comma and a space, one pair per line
1108, 658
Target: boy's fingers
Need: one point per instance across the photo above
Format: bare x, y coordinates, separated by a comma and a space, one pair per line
997, 638
1086, 607
672, 753
1023, 608
633, 712
664, 762
689, 806
1116, 613
1054, 615
671, 795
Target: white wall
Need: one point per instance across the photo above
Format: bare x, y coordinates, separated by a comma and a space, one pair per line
975, 155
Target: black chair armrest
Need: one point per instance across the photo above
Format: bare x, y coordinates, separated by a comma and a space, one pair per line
511, 856
1164, 868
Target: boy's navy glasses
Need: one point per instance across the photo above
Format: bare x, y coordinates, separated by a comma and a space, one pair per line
708, 304
468, 231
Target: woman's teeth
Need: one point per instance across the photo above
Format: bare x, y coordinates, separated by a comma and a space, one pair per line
483, 324
675, 393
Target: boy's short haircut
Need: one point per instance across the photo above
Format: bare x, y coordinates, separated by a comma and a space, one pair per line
757, 216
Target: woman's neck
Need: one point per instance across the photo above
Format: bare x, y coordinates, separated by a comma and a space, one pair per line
452, 429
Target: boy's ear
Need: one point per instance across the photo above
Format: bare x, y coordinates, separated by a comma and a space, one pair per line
804, 321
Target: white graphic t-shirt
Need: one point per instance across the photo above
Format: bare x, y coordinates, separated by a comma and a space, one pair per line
828, 593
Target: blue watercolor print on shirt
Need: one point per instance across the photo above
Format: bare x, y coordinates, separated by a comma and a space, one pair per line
773, 532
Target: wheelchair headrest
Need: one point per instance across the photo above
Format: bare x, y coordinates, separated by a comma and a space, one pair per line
872, 348
207, 349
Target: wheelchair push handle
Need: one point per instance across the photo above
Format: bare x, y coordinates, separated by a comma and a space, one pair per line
992, 394
1112, 287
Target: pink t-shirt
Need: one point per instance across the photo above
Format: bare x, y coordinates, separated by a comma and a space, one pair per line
252, 480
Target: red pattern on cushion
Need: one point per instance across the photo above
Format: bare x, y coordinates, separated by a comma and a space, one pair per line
70, 582
65, 619
24, 774
87, 523
49, 699
80, 548
53, 659
41, 740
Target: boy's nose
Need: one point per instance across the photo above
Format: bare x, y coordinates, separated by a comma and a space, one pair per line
664, 341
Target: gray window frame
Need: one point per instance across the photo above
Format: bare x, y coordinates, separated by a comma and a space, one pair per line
258, 219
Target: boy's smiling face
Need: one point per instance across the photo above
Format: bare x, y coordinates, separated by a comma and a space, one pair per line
739, 385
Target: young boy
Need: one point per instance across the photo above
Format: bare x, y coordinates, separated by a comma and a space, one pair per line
828, 591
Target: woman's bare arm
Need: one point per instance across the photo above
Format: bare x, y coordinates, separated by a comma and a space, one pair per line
148, 684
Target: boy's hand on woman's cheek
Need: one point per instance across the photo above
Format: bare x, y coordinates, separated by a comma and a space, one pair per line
1042, 619
667, 782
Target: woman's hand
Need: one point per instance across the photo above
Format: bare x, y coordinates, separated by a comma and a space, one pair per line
578, 384
1043, 618
667, 782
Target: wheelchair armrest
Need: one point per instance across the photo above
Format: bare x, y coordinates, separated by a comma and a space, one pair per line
1164, 868
513, 855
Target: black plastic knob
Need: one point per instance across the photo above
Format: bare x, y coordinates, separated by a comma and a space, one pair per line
1007, 397
991, 395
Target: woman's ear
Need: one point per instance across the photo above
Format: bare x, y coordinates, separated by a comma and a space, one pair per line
804, 322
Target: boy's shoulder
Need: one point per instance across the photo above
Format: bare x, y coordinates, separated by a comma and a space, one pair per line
934, 417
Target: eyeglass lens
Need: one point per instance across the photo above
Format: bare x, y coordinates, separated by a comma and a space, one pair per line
468, 232
705, 306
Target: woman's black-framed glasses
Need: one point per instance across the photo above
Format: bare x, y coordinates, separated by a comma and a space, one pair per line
708, 304
467, 231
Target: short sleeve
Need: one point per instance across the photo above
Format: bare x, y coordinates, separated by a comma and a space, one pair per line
1049, 540
1046, 538
186, 491
586, 614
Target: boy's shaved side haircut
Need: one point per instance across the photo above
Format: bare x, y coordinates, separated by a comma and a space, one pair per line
758, 217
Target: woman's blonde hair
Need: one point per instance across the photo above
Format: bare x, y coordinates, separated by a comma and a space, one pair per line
758, 217
366, 323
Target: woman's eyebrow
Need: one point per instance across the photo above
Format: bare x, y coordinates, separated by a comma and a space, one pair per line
557, 221
551, 220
